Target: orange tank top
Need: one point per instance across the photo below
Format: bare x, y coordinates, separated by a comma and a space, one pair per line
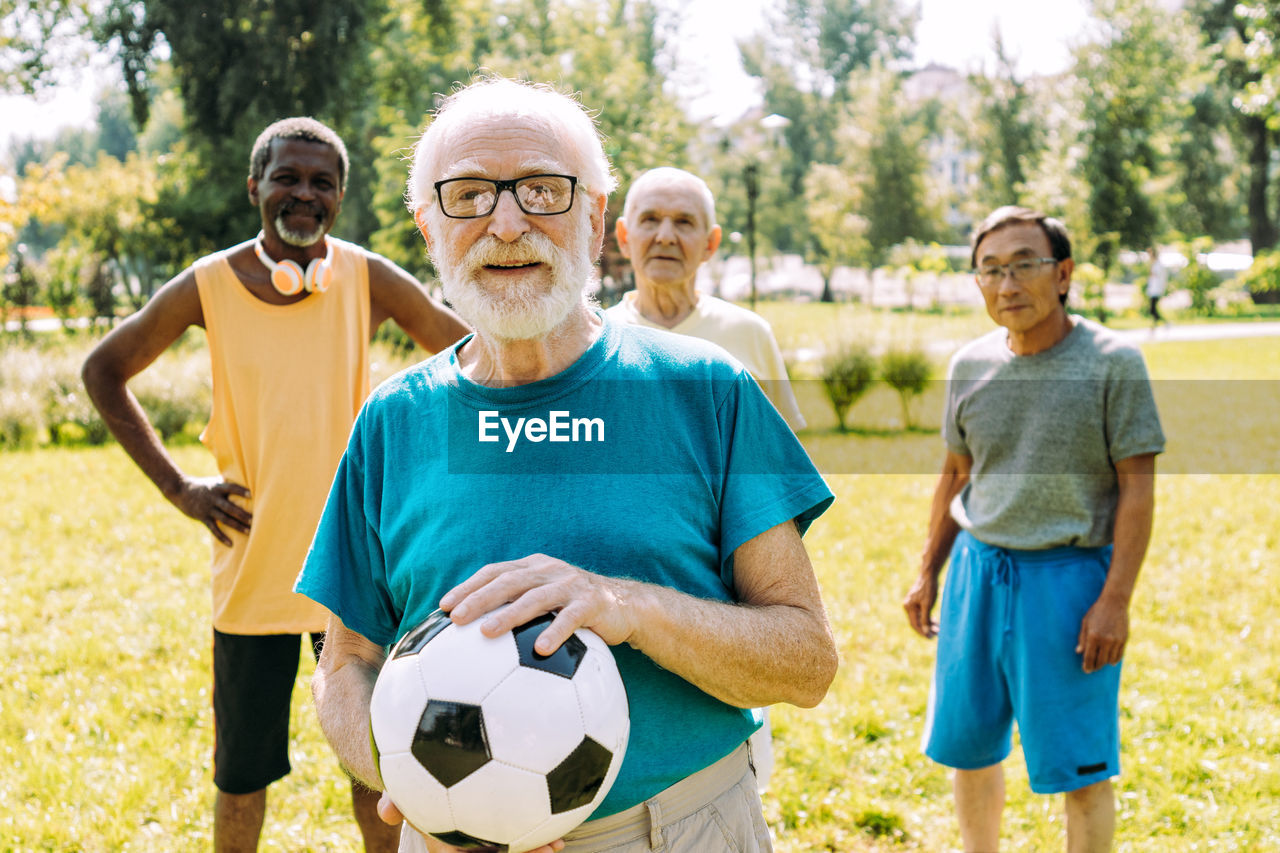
288, 381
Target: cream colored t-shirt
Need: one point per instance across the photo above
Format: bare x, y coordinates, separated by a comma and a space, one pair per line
742, 333
288, 381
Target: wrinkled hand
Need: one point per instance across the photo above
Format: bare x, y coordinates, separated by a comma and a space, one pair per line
390, 814
1104, 631
539, 584
919, 605
208, 501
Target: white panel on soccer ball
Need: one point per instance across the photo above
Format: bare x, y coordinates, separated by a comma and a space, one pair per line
532, 720
428, 809
499, 802
462, 665
556, 826
398, 699
603, 699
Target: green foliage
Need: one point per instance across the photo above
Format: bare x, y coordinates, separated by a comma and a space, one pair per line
1197, 279
37, 36
18, 288
1146, 53
175, 393
108, 744
833, 199
1007, 132
908, 372
884, 145
1090, 283
1262, 279
43, 402
803, 61
1204, 195
20, 418
846, 376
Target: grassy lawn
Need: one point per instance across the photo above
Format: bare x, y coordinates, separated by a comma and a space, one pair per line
105, 721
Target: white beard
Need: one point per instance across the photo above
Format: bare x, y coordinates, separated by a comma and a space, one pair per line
298, 238
524, 311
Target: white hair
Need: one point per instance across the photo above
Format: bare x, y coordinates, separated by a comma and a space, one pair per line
558, 114
670, 174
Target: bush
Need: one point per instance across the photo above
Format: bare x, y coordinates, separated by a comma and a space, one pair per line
1262, 279
846, 376
1092, 283
23, 380
43, 401
1199, 281
908, 372
175, 391
20, 420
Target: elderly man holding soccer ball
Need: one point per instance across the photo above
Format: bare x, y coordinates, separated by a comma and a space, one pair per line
625, 480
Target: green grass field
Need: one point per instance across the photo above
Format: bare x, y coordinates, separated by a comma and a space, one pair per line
105, 721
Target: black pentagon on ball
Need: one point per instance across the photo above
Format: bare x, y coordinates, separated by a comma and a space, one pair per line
469, 842
564, 661
575, 781
412, 642
450, 741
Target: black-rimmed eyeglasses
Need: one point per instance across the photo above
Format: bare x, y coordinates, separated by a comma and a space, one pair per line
538, 195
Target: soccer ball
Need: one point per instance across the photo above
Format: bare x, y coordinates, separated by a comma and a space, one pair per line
485, 744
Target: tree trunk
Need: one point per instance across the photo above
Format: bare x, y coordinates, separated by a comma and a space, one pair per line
1262, 229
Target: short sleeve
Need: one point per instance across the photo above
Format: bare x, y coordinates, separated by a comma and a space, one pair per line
345, 569
1133, 423
768, 476
952, 433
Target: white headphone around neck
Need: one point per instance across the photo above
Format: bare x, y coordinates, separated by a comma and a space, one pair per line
288, 277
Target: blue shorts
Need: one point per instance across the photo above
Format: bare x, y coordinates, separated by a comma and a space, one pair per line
1008, 628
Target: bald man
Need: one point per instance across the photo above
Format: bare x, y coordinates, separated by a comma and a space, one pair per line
667, 230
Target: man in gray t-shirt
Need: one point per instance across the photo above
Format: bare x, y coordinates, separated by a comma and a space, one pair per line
1044, 506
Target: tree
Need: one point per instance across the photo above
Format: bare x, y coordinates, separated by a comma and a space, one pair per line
36, 38
1204, 195
105, 209
803, 63
239, 65
833, 199
882, 140
1242, 35
1007, 132
1144, 54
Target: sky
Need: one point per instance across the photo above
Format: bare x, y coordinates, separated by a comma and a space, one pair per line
959, 34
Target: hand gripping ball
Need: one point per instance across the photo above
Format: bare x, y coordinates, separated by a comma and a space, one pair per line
487, 745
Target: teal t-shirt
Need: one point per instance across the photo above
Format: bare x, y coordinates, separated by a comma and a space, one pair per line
652, 457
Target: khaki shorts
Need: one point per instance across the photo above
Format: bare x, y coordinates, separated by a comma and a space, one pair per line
716, 810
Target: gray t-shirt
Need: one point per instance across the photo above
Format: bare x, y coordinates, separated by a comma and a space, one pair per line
1044, 432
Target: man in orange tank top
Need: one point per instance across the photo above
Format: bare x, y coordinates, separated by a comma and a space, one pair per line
288, 316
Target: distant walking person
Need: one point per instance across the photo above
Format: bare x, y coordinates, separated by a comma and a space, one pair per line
288, 316
1044, 506
1157, 284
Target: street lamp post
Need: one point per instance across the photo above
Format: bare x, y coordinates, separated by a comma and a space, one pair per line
773, 125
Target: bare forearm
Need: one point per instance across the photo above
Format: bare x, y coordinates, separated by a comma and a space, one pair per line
747, 656
1134, 513
342, 702
127, 421
943, 529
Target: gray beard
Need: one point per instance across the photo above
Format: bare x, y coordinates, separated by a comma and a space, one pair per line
524, 312
300, 239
